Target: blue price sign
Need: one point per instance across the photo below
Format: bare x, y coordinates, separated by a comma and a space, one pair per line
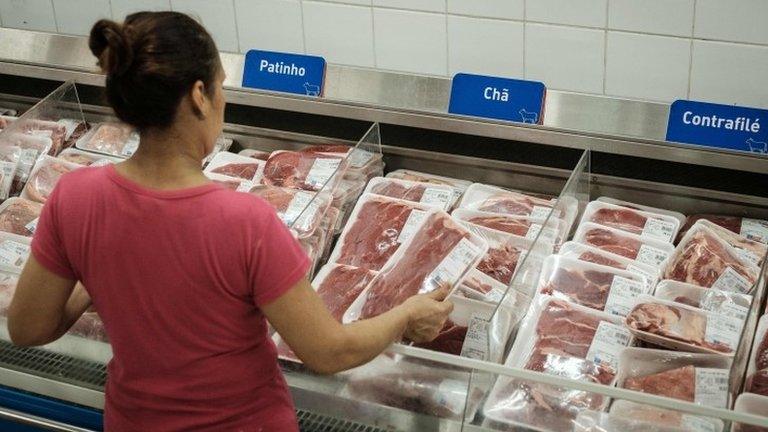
721, 126
289, 73
498, 98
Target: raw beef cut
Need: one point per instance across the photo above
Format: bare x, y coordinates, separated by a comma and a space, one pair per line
242, 170
751, 250
500, 262
585, 287
308, 171
18, 214
300, 210
327, 148
78, 132
513, 203
42, 182
450, 340
412, 274
758, 383
702, 258
510, 225
677, 383
415, 176
89, 326
111, 138
372, 237
399, 190
623, 219
53, 130
341, 286
681, 324
610, 241
732, 223
600, 259
761, 356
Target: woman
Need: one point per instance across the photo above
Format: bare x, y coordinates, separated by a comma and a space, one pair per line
184, 273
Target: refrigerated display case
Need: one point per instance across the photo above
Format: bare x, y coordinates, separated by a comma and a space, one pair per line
587, 147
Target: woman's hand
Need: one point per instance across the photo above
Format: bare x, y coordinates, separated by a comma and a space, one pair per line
427, 315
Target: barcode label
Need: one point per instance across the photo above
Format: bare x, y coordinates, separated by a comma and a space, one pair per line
32, 226
298, 203
441, 198
607, 344
540, 212
412, 224
723, 330
28, 156
452, 267
360, 158
476, 343
650, 278
130, 147
322, 170
720, 303
748, 256
755, 229
711, 387
13, 253
659, 228
622, 295
533, 231
731, 280
651, 255
10, 258
697, 424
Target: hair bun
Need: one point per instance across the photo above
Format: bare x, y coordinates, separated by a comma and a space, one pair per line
109, 43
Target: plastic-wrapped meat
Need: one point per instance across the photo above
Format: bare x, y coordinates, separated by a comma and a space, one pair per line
242, 170
77, 158
111, 138
600, 259
677, 383
510, 225
758, 383
750, 250
308, 171
55, 131
704, 260
17, 214
341, 286
500, 263
327, 148
398, 190
513, 203
422, 264
761, 357
623, 219
588, 287
44, 179
8, 283
80, 129
300, 210
610, 242
372, 237
450, 340
753, 229
89, 326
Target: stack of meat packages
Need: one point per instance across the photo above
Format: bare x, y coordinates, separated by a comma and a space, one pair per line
602, 293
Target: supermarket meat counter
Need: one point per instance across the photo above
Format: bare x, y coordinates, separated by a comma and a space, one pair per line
604, 279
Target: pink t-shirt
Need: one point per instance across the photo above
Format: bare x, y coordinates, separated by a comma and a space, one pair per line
178, 278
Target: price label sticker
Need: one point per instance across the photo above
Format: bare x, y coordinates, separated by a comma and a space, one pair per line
731, 280
359, 158
298, 204
453, 265
32, 225
607, 344
412, 224
438, 197
540, 212
322, 170
651, 255
711, 387
476, 343
723, 330
755, 229
659, 228
622, 295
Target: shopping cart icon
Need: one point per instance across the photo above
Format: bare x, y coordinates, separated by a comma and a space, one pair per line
311, 89
757, 146
529, 117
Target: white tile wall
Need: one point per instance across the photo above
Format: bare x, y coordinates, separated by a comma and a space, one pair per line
667, 17
28, 14
469, 50
121, 8
730, 73
647, 67
78, 16
348, 41
410, 41
503, 9
591, 13
732, 20
565, 58
270, 24
218, 16
648, 49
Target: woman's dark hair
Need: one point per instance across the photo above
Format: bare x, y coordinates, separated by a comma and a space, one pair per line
151, 61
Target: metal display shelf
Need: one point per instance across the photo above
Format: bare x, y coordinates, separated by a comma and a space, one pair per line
560, 157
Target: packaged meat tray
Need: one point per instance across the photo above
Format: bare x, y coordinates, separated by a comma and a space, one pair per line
728, 303
753, 229
31, 147
750, 250
439, 253
641, 249
85, 158
43, 178
757, 368
19, 216
361, 161
677, 215
430, 389
234, 165
523, 226
638, 222
597, 421
506, 253
75, 129
376, 229
704, 259
233, 183
682, 327
222, 144
307, 171
751, 404
9, 162
592, 285
301, 210
489, 345
592, 254
479, 286
44, 128
438, 196
255, 154
459, 186
497, 200
664, 418
702, 379
14, 251
564, 339
111, 139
